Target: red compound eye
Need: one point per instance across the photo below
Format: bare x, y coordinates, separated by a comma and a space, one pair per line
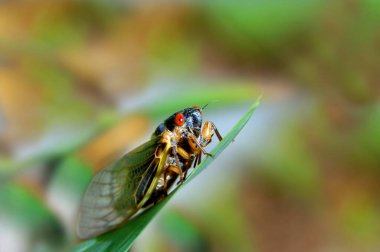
179, 119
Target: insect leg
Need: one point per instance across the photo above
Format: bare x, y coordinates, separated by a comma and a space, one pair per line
207, 133
195, 141
175, 169
200, 158
183, 153
196, 161
219, 136
174, 152
169, 173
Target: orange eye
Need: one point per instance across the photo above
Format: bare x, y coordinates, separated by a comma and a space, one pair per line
179, 119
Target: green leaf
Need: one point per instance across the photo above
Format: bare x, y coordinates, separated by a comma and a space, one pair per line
123, 238
22, 209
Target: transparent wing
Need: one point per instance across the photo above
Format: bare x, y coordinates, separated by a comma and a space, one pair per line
114, 193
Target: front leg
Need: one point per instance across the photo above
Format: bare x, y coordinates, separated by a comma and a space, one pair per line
196, 145
205, 138
207, 133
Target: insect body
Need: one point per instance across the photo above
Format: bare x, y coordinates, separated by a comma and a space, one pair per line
145, 175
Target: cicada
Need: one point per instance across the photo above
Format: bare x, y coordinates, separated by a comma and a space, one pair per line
147, 174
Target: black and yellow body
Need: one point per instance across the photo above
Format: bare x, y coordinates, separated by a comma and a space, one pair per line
145, 175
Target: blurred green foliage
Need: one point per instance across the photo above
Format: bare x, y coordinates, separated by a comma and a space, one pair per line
72, 71
22, 207
293, 170
183, 233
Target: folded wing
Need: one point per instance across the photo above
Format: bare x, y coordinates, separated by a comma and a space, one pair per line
113, 195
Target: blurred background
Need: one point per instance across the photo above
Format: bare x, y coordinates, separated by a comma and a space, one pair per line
82, 82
